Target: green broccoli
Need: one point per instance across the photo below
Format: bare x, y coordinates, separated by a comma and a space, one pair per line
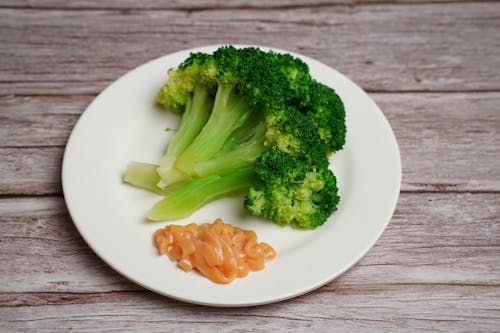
291, 192
188, 91
250, 120
326, 110
292, 131
186, 199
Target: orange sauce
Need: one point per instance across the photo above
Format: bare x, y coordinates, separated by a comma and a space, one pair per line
219, 251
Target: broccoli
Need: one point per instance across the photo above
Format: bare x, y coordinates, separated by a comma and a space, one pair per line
326, 110
293, 132
291, 192
188, 91
250, 120
184, 200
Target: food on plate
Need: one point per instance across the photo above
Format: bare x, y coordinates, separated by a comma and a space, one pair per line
219, 251
250, 120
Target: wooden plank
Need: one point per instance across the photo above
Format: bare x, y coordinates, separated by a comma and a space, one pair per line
158, 4
382, 47
196, 5
348, 309
447, 142
45, 231
30, 170
437, 148
29, 121
435, 268
433, 239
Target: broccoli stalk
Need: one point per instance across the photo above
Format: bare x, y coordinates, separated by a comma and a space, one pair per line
242, 156
145, 176
230, 111
239, 135
196, 114
195, 193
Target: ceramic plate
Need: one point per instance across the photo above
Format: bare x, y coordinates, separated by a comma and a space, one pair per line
123, 124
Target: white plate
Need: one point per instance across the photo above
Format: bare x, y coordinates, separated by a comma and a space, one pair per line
123, 124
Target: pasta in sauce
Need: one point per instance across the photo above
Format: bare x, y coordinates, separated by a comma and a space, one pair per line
219, 251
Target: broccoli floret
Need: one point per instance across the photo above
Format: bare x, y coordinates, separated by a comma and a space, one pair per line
297, 73
295, 133
326, 110
198, 68
278, 166
295, 186
250, 120
291, 193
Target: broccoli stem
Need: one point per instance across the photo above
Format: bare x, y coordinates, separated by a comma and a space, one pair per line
241, 133
229, 112
145, 176
242, 156
193, 119
192, 195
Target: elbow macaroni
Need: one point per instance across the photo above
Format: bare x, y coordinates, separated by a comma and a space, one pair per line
219, 251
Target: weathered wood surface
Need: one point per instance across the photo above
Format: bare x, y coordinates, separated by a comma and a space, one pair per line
427, 236
382, 47
198, 4
432, 67
393, 308
434, 268
458, 132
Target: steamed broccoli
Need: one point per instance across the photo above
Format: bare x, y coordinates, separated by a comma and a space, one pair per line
186, 199
326, 110
250, 120
291, 192
291, 131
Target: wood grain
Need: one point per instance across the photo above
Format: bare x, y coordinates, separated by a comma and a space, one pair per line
440, 252
35, 121
31, 170
447, 141
429, 237
347, 309
199, 4
382, 47
430, 65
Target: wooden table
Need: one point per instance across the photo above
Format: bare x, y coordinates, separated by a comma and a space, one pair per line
433, 68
